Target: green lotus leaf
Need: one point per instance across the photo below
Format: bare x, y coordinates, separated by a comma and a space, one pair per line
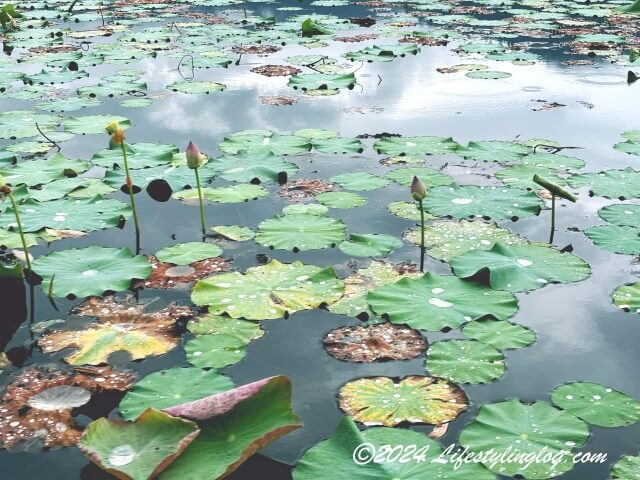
90, 271
446, 239
196, 87
341, 199
359, 181
433, 302
429, 176
597, 404
395, 146
300, 231
519, 268
521, 176
621, 184
187, 253
216, 351
177, 177
22, 123
316, 133
305, 209
627, 468
627, 297
42, 171
493, 150
615, 238
139, 155
632, 147
268, 291
499, 334
465, 361
136, 103
336, 454
171, 387
488, 75
30, 147
310, 28
407, 210
244, 167
242, 192
384, 53
93, 124
532, 427
263, 142
414, 399
621, 214
236, 233
323, 81
138, 450
243, 330
84, 215
242, 421
488, 202
354, 301
338, 145
369, 244
10, 239
551, 161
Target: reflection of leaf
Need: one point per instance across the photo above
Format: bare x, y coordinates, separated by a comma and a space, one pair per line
138, 450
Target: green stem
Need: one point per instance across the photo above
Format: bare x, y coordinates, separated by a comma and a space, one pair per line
22, 239
553, 217
130, 189
202, 218
421, 236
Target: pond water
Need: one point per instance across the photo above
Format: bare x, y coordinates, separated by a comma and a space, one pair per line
580, 334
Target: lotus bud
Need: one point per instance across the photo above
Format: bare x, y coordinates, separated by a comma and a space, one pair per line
4, 188
634, 54
113, 127
194, 158
418, 190
117, 133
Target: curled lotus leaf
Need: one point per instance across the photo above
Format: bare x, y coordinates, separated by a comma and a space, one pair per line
268, 291
465, 361
414, 399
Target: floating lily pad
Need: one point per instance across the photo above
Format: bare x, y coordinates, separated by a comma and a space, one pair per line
494, 150
359, 181
615, 238
261, 142
621, 214
487, 202
622, 184
245, 167
139, 450
322, 81
369, 244
627, 468
340, 199
519, 268
268, 291
407, 210
465, 361
488, 74
22, 123
434, 302
186, 253
521, 176
234, 232
139, 155
338, 145
42, 171
168, 388
429, 176
196, 87
627, 297
93, 124
552, 161
242, 192
395, 146
500, 334
216, 351
414, 399
597, 404
243, 330
532, 427
300, 232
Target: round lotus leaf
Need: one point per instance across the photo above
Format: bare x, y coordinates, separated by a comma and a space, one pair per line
488, 74
62, 397
395, 146
627, 297
344, 452
300, 232
519, 268
242, 192
139, 155
499, 334
597, 404
340, 199
414, 399
532, 428
42, 171
90, 271
323, 81
187, 253
196, 87
433, 302
429, 176
22, 123
621, 214
494, 150
446, 239
243, 330
245, 167
268, 291
215, 351
552, 161
615, 238
359, 181
138, 450
632, 147
315, 133
258, 142
497, 203
370, 244
521, 176
622, 184
236, 233
407, 210
338, 145
306, 209
168, 388
465, 361
93, 124
627, 468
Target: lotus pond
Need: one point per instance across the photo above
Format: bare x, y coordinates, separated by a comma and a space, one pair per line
262, 234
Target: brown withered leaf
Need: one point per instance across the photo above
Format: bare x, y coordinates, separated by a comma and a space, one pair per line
276, 70
366, 344
167, 275
439, 431
255, 49
304, 189
363, 22
543, 105
37, 404
425, 41
363, 37
278, 100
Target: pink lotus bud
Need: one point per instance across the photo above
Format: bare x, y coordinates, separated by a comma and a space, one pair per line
418, 190
194, 158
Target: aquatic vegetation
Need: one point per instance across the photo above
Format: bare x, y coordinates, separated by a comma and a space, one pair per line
465, 361
419, 193
5, 191
194, 161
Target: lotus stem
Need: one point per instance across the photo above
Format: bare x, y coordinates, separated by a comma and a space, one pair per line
421, 236
129, 182
203, 221
22, 239
553, 217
